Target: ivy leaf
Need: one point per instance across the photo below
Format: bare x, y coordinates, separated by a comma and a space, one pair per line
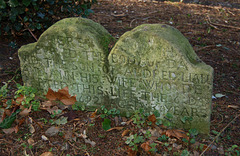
7, 122
106, 125
41, 15
61, 121
13, 3
2, 4
26, 2
18, 26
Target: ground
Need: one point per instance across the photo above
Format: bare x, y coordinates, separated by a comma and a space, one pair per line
212, 27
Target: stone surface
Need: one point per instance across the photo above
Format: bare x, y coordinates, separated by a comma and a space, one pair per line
151, 67
71, 53
154, 67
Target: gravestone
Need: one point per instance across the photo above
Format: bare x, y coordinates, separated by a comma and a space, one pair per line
152, 67
73, 53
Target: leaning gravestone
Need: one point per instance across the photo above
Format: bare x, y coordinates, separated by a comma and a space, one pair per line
151, 67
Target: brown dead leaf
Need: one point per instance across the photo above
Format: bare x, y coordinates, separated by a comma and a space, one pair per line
131, 152
20, 99
47, 154
10, 130
145, 146
68, 100
31, 129
117, 128
62, 95
25, 111
93, 115
64, 91
128, 122
176, 133
152, 118
51, 95
125, 132
30, 141
46, 104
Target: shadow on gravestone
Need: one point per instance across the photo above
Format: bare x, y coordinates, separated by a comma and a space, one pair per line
152, 67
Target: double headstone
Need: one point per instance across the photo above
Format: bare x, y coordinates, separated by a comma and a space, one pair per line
152, 67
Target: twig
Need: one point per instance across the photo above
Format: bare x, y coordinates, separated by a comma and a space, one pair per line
228, 26
210, 46
28, 29
219, 134
118, 15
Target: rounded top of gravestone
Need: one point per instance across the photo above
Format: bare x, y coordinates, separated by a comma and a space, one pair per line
148, 38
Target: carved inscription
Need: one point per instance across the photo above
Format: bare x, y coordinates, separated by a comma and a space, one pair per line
151, 67
78, 67
167, 84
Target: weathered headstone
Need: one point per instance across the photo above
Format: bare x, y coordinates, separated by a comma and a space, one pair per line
73, 53
152, 67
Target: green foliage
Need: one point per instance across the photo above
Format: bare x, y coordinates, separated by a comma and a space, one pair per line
7, 122
106, 124
139, 118
105, 112
234, 150
29, 94
134, 140
78, 106
16, 16
3, 91
185, 153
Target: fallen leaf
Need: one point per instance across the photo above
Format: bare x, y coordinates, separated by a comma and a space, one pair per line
131, 152
51, 95
9, 130
176, 133
30, 141
219, 95
145, 146
128, 122
68, 100
62, 95
20, 99
44, 138
52, 131
46, 104
233, 106
152, 118
25, 112
47, 154
117, 128
93, 115
64, 91
125, 132
31, 129
88, 141
61, 121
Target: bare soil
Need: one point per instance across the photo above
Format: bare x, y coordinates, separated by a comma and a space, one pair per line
212, 28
